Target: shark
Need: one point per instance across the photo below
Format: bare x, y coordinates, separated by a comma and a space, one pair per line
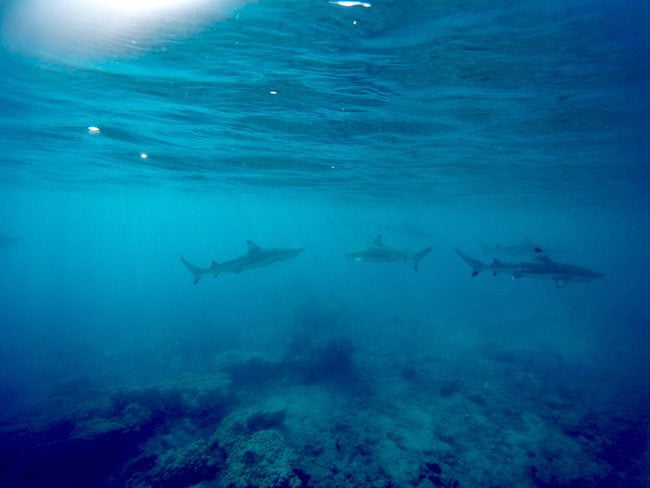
379, 252
407, 229
525, 248
541, 267
255, 257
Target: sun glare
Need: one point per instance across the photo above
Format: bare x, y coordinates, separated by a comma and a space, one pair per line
78, 29
149, 6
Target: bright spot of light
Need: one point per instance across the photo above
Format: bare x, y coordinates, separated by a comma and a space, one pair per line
135, 6
144, 155
352, 4
94, 131
70, 30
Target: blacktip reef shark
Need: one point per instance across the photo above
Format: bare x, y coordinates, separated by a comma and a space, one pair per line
526, 248
541, 267
255, 257
379, 252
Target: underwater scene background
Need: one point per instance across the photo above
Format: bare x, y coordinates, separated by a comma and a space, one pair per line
512, 132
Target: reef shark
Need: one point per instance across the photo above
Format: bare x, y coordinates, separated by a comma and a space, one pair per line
255, 257
525, 248
379, 252
541, 267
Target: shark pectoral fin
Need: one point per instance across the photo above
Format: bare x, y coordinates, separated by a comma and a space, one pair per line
560, 283
474, 274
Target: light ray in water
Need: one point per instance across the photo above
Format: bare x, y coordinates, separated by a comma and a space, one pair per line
73, 30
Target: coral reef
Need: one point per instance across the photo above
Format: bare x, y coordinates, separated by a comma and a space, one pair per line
486, 419
187, 465
261, 460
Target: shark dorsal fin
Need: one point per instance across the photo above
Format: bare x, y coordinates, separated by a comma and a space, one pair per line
252, 247
544, 259
378, 241
541, 257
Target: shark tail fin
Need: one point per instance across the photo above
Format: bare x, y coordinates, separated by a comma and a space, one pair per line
418, 256
195, 270
477, 266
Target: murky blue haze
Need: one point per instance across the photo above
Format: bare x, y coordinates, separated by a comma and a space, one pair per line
310, 124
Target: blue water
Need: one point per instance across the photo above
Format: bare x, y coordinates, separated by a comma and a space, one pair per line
314, 125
